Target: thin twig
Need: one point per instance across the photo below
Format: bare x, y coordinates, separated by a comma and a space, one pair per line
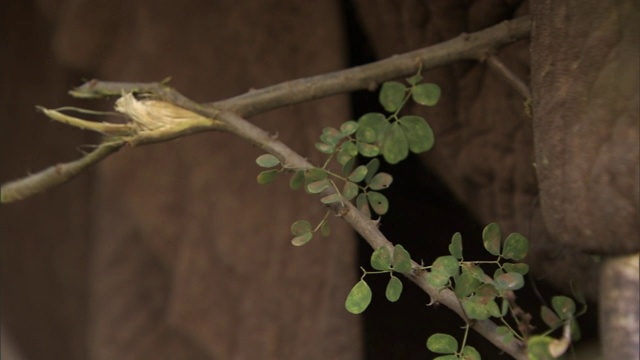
511, 78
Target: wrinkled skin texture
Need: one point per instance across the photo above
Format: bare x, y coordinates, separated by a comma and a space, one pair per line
166, 252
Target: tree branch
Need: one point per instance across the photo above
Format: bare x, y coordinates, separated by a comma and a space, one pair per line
163, 113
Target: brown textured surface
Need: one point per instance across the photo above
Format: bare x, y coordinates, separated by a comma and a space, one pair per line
585, 94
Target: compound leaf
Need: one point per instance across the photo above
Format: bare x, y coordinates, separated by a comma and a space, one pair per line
379, 203
491, 238
380, 181
401, 259
302, 239
381, 259
395, 147
455, 247
267, 176
394, 289
267, 161
515, 247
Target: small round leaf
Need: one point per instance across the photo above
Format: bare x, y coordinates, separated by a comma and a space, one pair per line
350, 190
466, 285
366, 134
378, 202
515, 247
317, 187
359, 298
476, 307
297, 180
368, 150
381, 259
521, 268
437, 279
372, 167
392, 95
564, 306
325, 229
358, 174
267, 161
509, 281
470, 353
491, 238
348, 127
267, 176
395, 147
401, 259
394, 289
380, 181
418, 132
325, 148
302, 239
447, 264
300, 227
442, 344
549, 317
330, 199
455, 247
363, 205
375, 121
426, 94
538, 348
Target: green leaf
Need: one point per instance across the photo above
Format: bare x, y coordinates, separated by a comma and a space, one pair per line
538, 348
505, 333
479, 274
455, 247
359, 298
392, 95
348, 166
350, 190
347, 151
325, 148
414, 80
564, 306
302, 239
380, 181
267, 176
418, 133
358, 174
426, 94
314, 174
491, 238
378, 202
476, 307
487, 290
267, 161
297, 180
470, 353
348, 127
575, 330
401, 259
372, 167
331, 136
368, 150
394, 289
437, 279
516, 247
366, 134
466, 285
447, 264
521, 268
300, 227
442, 344
317, 187
375, 121
549, 317
447, 357
395, 147
325, 229
363, 205
493, 309
381, 259
332, 198
510, 281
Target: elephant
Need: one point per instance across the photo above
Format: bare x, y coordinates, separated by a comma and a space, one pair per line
173, 251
